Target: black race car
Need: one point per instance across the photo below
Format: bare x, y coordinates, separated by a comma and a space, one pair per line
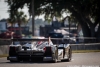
39, 49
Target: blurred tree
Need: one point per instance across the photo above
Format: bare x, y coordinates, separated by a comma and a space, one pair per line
87, 12
19, 18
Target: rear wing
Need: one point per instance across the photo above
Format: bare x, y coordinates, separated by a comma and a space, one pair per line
54, 40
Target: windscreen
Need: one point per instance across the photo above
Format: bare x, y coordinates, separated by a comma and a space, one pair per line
56, 35
16, 43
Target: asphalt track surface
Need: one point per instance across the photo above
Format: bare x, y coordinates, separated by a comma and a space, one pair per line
78, 60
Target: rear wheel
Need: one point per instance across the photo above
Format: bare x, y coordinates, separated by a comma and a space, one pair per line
14, 61
18, 60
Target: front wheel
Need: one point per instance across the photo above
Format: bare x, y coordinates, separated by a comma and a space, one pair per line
55, 60
69, 54
55, 56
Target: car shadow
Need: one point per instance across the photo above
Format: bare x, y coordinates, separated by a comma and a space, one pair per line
28, 62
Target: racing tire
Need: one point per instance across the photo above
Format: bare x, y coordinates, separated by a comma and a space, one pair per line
69, 55
14, 61
55, 60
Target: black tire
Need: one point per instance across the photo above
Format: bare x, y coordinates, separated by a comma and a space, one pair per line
18, 60
55, 60
14, 61
55, 56
69, 55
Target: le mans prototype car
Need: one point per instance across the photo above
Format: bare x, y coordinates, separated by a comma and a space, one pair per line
42, 49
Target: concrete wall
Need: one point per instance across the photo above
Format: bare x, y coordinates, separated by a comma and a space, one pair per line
5, 42
4, 49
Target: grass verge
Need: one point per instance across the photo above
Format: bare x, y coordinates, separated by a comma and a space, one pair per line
5, 55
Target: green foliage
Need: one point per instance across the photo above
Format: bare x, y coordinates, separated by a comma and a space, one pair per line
18, 17
56, 7
81, 10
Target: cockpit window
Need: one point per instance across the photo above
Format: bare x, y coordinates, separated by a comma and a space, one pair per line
16, 43
56, 35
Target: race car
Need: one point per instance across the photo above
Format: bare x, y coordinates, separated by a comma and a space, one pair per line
39, 49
